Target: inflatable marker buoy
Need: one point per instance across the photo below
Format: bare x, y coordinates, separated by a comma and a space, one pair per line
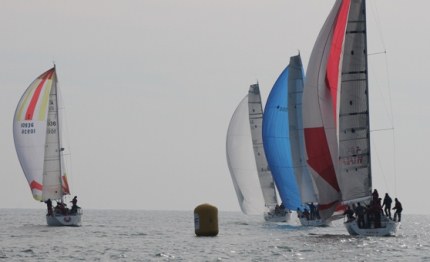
206, 220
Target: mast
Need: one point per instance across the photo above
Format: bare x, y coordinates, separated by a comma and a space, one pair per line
368, 98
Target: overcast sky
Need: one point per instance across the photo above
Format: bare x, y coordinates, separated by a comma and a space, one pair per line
149, 87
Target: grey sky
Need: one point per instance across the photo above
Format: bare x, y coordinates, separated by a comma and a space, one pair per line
150, 86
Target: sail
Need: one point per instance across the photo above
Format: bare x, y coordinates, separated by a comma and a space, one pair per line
332, 115
354, 174
319, 119
241, 161
256, 122
298, 155
36, 136
276, 140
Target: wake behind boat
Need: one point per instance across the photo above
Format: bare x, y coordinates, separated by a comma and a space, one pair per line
38, 144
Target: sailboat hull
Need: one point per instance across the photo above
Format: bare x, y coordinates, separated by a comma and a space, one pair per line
277, 217
389, 228
59, 220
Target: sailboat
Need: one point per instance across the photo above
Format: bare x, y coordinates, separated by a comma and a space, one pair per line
283, 140
38, 143
246, 160
336, 115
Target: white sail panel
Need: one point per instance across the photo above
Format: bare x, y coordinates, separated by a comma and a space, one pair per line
298, 156
241, 161
319, 118
29, 130
256, 121
52, 184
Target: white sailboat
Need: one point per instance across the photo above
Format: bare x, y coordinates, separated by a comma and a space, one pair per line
38, 143
247, 162
336, 115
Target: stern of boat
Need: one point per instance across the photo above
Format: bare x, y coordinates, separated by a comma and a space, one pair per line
65, 219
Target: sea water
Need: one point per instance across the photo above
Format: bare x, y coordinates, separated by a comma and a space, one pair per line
123, 235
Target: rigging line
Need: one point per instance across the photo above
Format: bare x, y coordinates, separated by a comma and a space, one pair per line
392, 121
382, 129
378, 53
375, 152
375, 16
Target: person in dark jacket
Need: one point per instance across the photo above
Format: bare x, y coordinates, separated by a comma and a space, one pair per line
49, 206
398, 207
387, 205
360, 211
74, 205
349, 214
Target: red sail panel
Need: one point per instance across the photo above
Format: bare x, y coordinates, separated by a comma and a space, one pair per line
66, 189
333, 62
32, 106
319, 157
35, 185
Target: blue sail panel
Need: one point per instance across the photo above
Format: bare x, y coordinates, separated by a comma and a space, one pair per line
276, 141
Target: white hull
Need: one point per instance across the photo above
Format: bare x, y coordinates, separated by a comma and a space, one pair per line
388, 228
64, 220
314, 222
277, 217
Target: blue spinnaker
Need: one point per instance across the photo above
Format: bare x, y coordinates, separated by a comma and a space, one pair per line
276, 140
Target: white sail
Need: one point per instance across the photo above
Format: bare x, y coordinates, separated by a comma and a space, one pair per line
37, 139
298, 156
241, 161
336, 119
256, 121
319, 119
52, 161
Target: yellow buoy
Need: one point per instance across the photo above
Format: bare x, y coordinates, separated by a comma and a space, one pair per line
206, 220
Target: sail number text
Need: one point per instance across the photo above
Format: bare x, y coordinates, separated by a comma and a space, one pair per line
27, 128
52, 127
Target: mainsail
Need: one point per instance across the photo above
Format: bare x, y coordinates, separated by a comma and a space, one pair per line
335, 108
279, 129
298, 155
37, 138
256, 122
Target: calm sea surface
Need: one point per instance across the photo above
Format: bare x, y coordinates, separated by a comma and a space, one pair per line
108, 235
